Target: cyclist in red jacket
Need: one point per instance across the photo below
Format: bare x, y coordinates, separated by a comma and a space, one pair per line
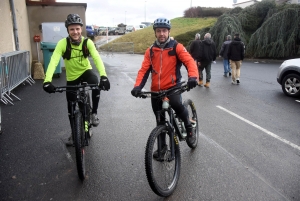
164, 60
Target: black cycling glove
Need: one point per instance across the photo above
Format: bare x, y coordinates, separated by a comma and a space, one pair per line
135, 92
49, 87
192, 82
104, 83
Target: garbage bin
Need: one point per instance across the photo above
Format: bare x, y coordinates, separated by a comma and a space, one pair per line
48, 49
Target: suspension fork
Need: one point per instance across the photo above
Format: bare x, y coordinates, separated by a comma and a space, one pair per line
85, 117
170, 129
173, 138
72, 116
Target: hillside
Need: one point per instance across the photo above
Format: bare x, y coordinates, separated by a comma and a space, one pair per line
183, 30
268, 31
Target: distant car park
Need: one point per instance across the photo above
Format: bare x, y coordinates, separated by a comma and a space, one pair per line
289, 77
131, 28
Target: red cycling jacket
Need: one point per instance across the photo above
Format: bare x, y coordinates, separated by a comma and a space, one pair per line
165, 66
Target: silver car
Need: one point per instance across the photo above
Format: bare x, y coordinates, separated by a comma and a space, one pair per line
289, 77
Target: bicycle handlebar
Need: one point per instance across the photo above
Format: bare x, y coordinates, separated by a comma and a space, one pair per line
168, 92
83, 85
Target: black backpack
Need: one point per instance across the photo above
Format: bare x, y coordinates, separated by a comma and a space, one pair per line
171, 53
85, 50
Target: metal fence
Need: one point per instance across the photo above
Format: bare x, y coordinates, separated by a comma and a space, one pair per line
108, 50
14, 70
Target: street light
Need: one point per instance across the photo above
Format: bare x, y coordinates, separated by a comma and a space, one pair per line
145, 11
125, 17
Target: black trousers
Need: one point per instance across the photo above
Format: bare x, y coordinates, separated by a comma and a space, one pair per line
176, 103
91, 78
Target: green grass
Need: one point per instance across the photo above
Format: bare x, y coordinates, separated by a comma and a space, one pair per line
183, 30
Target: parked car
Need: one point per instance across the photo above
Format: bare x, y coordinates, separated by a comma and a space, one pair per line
90, 32
120, 30
102, 31
131, 28
289, 77
111, 30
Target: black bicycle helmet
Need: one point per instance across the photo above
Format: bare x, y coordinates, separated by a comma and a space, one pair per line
73, 19
162, 23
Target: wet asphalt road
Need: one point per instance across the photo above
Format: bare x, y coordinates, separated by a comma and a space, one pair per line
238, 156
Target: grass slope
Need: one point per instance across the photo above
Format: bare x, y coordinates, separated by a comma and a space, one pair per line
183, 30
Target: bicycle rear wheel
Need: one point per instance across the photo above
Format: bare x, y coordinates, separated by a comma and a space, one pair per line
162, 173
79, 144
194, 120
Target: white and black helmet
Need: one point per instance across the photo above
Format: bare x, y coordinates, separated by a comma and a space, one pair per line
73, 19
162, 23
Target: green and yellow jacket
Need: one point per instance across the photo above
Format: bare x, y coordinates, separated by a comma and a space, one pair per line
77, 64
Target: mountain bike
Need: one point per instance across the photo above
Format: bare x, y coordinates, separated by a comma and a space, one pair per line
163, 164
81, 115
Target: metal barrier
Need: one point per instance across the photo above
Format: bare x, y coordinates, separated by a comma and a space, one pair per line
14, 70
107, 50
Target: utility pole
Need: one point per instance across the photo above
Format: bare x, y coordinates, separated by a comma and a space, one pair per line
145, 11
125, 17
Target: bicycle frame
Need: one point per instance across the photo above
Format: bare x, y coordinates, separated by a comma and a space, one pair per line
163, 164
82, 103
172, 125
170, 128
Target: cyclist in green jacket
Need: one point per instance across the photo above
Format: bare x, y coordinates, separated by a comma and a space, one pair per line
78, 67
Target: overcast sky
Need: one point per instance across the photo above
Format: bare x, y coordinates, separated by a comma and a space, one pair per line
132, 12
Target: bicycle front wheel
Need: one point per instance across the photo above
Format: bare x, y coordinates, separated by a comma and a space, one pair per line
162, 171
194, 120
89, 115
79, 144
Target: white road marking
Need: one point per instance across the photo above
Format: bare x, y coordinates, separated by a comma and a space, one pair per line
131, 80
260, 128
298, 101
250, 169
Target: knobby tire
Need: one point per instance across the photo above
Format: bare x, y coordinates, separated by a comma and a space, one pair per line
154, 167
193, 117
78, 141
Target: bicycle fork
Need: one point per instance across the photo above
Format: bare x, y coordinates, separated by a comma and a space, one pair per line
161, 140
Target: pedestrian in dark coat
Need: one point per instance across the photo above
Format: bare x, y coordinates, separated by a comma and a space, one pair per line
223, 53
195, 47
208, 53
235, 55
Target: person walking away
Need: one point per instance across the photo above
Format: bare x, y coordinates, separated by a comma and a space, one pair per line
235, 55
78, 67
223, 53
208, 53
162, 61
195, 47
